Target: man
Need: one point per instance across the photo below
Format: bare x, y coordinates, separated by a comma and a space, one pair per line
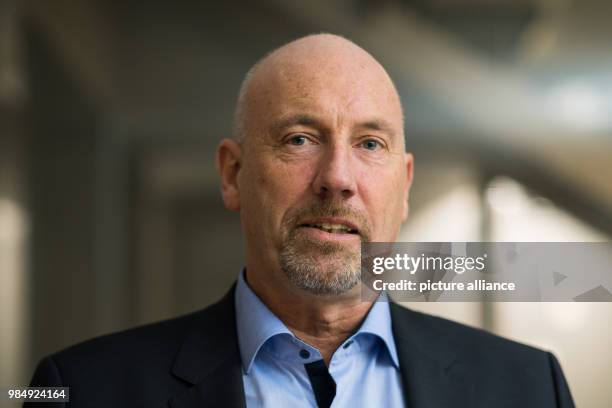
317, 166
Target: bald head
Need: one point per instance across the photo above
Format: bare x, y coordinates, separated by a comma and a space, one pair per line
324, 63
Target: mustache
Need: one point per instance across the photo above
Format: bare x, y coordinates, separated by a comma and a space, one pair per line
322, 209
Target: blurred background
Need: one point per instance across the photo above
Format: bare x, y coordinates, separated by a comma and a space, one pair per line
110, 112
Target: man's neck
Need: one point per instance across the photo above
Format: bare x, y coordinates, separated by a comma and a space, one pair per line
324, 322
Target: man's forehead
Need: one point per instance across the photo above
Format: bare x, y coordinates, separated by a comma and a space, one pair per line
308, 103
322, 75
303, 118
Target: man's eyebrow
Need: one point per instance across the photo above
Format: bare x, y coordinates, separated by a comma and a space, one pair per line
299, 119
377, 124
309, 120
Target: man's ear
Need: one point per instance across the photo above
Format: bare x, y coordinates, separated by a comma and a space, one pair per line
409, 163
228, 163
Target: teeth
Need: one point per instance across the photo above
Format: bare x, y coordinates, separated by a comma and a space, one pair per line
335, 228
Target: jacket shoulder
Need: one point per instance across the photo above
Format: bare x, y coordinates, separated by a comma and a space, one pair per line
137, 367
502, 369
141, 339
464, 340
147, 346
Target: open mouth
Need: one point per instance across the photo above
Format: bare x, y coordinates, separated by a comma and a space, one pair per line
332, 228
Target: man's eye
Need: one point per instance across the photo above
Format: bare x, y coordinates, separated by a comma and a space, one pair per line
371, 144
298, 140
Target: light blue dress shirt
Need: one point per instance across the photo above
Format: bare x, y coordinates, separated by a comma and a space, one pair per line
365, 367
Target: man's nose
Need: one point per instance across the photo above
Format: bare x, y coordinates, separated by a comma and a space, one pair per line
336, 176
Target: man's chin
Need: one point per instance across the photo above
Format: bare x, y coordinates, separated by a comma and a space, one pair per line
321, 267
321, 274
324, 283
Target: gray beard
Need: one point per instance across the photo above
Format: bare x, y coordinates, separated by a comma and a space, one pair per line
300, 260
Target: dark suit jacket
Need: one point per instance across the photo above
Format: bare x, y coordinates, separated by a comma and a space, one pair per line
193, 361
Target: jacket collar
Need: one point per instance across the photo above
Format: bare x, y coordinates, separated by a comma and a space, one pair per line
209, 359
432, 372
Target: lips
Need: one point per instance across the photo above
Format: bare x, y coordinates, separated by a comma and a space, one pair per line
332, 226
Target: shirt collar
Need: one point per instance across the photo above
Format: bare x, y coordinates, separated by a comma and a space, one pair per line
378, 323
256, 324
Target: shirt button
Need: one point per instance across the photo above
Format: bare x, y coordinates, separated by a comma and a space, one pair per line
304, 354
347, 344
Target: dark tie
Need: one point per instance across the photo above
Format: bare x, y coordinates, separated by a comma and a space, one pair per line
323, 385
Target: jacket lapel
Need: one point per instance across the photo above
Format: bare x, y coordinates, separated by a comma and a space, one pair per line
432, 374
210, 360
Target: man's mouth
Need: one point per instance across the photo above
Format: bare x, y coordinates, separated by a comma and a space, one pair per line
332, 227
